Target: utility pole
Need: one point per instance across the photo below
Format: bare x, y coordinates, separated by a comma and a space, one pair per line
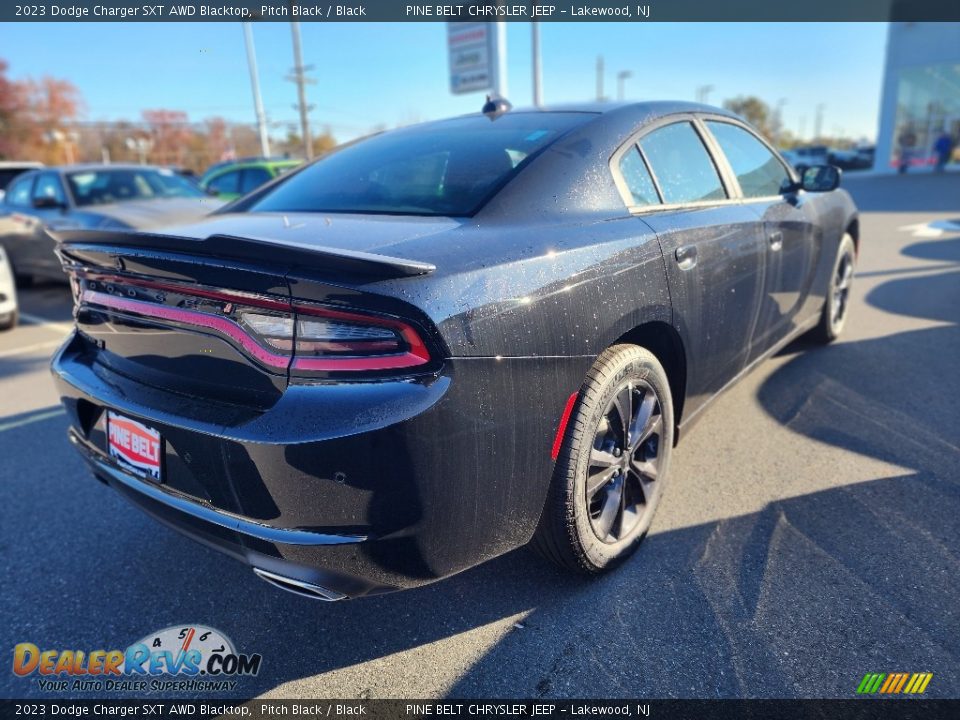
255, 85
600, 97
537, 69
702, 92
622, 77
299, 76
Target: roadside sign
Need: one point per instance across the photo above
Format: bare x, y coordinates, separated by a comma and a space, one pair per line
472, 48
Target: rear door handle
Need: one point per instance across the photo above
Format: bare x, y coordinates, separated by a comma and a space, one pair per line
776, 240
686, 256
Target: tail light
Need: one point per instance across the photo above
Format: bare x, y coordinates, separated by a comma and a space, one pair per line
302, 337
324, 339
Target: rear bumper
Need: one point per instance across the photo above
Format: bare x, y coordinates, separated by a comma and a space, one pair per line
293, 554
358, 488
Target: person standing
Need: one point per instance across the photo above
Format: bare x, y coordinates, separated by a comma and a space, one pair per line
907, 140
943, 147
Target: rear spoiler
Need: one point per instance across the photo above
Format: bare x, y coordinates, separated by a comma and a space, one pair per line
292, 257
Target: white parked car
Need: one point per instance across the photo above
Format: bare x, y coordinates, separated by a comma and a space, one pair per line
8, 294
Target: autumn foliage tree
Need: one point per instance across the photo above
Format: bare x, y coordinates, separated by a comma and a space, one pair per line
35, 117
754, 110
40, 120
170, 134
12, 106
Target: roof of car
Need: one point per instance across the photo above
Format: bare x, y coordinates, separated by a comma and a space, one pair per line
256, 163
651, 108
96, 167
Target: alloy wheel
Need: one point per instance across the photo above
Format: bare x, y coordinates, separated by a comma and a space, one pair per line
622, 488
842, 281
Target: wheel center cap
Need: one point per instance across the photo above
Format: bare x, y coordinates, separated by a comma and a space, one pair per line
623, 459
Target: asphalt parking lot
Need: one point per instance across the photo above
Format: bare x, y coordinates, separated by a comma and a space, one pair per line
811, 533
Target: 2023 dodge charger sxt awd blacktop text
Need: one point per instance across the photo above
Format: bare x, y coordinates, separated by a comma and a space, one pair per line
435, 344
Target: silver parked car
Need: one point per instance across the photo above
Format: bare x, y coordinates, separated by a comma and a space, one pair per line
9, 169
90, 197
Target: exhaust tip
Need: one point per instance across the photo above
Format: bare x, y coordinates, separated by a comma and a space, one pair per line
299, 587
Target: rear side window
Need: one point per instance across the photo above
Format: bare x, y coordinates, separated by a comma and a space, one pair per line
637, 177
253, 178
444, 168
229, 182
682, 165
49, 186
19, 191
758, 171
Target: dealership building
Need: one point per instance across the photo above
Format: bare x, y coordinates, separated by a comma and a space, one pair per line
921, 92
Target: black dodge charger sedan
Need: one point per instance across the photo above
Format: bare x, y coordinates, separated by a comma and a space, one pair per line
439, 343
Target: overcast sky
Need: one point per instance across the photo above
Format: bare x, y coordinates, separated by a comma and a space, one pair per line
394, 73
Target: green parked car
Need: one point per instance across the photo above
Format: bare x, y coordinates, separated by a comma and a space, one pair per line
231, 181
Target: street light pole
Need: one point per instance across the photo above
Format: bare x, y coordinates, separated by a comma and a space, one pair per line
600, 97
780, 103
702, 92
255, 85
299, 77
818, 122
500, 76
537, 69
622, 77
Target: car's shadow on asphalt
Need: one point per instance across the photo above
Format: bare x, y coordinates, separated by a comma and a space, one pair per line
789, 601
792, 600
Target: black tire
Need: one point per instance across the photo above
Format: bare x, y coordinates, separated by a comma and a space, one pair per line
836, 306
9, 320
571, 532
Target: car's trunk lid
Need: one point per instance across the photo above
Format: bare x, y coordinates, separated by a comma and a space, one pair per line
167, 309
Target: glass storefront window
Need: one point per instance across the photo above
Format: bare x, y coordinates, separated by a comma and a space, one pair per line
928, 106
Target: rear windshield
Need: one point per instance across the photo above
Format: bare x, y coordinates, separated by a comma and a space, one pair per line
447, 168
100, 187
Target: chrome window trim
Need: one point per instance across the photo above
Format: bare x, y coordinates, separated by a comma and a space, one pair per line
727, 177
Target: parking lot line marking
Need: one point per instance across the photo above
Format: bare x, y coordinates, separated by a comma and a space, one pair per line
48, 345
52, 324
37, 417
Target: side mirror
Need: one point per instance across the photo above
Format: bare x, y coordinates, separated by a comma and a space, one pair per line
46, 202
820, 178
